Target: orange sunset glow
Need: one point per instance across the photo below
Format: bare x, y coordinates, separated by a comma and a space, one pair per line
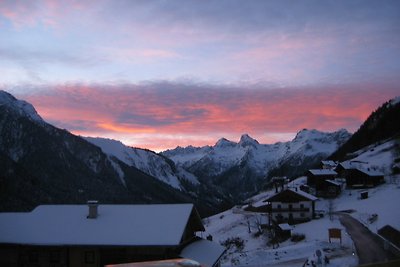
145, 116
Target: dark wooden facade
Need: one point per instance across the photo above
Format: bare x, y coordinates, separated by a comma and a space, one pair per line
358, 177
85, 256
81, 255
363, 179
323, 182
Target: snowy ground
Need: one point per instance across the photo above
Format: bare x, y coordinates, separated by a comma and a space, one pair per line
236, 223
382, 201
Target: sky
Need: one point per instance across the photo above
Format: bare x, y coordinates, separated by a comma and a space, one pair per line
160, 74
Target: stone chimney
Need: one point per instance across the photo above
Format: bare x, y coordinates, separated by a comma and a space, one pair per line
93, 205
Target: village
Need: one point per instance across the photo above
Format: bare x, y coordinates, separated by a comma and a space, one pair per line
308, 213
99, 235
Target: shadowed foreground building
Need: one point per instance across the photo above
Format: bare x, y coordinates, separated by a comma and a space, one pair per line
72, 235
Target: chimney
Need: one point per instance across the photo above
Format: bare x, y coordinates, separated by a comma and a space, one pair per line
93, 204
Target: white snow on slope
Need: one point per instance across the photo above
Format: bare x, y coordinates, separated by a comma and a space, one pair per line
23, 108
235, 223
378, 157
145, 160
382, 201
261, 157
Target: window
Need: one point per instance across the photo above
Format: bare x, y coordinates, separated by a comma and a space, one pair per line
89, 257
290, 206
279, 206
302, 215
301, 206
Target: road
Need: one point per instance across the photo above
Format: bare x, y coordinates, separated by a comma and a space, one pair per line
368, 245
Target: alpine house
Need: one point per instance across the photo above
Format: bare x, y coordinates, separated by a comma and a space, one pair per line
97, 235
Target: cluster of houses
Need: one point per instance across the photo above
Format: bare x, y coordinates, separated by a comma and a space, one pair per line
295, 205
330, 179
98, 235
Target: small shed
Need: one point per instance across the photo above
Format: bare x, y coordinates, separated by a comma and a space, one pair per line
284, 230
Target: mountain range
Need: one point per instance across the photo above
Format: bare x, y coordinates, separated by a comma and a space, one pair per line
243, 168
43, 164
40, 163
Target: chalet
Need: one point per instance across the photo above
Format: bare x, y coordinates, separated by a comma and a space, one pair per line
359, 176
323, 181
291, 206
97, 235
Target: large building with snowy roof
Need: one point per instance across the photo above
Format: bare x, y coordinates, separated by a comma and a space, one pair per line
359, 174
95, 235
289, 205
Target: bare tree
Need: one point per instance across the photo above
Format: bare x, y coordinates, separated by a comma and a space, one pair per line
331, 208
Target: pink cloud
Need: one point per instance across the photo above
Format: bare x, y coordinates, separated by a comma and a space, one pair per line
165, 115
50, 13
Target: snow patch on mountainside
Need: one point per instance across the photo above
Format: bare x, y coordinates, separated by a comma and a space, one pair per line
377, 156
145, 160
260, 157
395, 101
21, 107
119, 171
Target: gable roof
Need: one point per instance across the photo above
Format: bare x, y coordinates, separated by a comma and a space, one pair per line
318, 172
333, 182
370, 172
203, 251
130, 225
290, 195
352, 165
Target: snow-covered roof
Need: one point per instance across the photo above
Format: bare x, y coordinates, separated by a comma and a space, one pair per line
371, 172
349, 165
285, 227
305, 194
203, 251
363, 167
130, 225
323, 172
291, 190
333, 182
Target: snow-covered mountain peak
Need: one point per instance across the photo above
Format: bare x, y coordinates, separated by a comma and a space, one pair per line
223, 142
307, 134
342, 133
21, 107
246, 140
145, 160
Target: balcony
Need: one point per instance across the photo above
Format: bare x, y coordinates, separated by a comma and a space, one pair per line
290, 209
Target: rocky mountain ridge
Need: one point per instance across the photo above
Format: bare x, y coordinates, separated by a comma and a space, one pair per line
247, 165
